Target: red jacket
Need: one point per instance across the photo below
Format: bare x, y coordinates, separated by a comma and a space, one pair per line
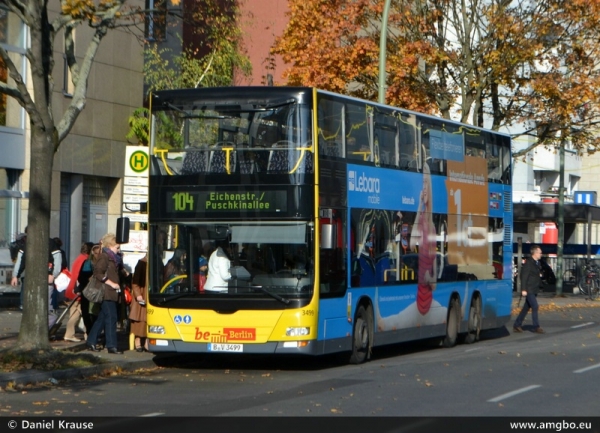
75, 268
201, 281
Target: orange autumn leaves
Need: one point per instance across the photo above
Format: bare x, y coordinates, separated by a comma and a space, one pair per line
505, 62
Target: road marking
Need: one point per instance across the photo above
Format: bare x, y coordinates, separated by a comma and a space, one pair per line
153, 414
513, 393
583, 370
582, 325
472, 350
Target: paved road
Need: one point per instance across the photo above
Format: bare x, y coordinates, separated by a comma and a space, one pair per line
554, 374
411, 387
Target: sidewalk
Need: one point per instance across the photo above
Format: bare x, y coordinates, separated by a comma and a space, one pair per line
548, 298
10, 322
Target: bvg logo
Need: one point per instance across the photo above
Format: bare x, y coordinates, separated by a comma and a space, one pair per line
228, 335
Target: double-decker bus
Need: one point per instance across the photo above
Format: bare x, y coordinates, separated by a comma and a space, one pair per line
345, 224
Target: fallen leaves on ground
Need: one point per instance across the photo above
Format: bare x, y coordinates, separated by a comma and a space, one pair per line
45, 360
554, 307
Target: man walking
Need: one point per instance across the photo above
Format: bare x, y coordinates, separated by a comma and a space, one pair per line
531, 281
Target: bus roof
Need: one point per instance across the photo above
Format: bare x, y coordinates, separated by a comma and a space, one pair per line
168, 99
189, 98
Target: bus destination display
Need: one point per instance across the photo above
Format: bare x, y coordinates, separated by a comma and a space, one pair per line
196, 202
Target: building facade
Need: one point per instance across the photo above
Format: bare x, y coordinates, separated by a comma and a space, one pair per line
89, 165
536, 179
260, 21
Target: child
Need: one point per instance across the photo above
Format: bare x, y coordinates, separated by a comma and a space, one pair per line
202, 269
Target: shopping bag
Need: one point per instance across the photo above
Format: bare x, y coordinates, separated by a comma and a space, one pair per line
62, 281
94, 291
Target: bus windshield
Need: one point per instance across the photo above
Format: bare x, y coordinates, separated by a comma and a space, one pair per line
271, 259
237, 136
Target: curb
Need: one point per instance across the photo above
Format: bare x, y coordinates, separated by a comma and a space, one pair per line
9, 300
36, 376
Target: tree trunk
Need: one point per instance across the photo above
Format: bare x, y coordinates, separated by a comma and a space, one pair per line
34, 323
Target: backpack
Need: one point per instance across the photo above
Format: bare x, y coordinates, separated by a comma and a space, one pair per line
16, 246
52, 251
87, 266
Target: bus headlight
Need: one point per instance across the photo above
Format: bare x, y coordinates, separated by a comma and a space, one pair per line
297, 331
156, 329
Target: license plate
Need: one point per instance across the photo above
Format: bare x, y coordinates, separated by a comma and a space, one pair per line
222, 347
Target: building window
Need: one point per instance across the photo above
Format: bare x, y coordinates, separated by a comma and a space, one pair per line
11, 28
9, 197
68, 86
95, 193
65, 188
95, 190
13, 41
3, 97
156, 20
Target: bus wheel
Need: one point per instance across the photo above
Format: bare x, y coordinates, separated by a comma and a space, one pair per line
361, 338
474, 325
452, 324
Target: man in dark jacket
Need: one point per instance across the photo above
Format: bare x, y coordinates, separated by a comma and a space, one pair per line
531, 281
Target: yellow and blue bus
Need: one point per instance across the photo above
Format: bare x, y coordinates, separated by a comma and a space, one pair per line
345, 224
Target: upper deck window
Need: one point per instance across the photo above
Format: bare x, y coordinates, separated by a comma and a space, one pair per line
233, 138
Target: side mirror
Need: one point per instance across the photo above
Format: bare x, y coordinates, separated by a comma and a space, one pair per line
123, 230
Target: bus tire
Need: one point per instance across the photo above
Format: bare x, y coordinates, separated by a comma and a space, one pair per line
474, 324
452, 324
361, 336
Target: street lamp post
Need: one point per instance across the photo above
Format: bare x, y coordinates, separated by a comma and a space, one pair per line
383, 51
561, 220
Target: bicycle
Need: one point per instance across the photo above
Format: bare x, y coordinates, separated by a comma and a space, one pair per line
590, 282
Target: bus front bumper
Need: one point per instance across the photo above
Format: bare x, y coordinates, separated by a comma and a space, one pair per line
311, 347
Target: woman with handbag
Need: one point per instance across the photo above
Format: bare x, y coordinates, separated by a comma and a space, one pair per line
89, 310
106, 273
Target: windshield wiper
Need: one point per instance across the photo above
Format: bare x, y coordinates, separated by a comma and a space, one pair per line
174, 297
272, 295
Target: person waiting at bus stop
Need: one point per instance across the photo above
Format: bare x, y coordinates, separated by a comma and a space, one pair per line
531, 281
106, 271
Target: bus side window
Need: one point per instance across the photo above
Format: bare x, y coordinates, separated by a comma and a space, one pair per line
493, 162
386, 138
407, 136
355, 150
331, 148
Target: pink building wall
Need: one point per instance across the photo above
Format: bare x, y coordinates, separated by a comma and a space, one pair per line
262, 21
